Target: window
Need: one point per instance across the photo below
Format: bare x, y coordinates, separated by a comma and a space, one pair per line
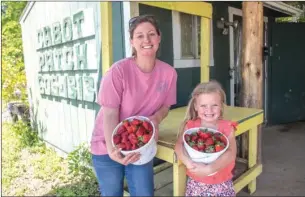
190, 36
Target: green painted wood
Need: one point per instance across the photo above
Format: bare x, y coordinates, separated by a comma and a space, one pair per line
188, 79
117, 31
220, 70
287, 73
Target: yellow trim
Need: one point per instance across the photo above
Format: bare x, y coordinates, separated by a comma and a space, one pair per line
252, 154
106, 35
205, 50
247, 177
164, 153
244, 126
195, 8
179, 179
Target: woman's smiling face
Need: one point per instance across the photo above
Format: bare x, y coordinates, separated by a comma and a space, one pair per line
145, 39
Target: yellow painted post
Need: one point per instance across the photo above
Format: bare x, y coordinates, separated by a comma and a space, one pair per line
106, 35
179, 177
252, 156
205, 50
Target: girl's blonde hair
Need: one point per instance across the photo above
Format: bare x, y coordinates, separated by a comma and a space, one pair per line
202, 88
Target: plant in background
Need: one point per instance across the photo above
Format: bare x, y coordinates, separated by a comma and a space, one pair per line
27, 136
13, 71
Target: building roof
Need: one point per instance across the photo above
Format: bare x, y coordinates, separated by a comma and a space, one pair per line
278, 6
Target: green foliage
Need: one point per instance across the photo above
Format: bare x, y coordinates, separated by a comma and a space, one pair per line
299, 19
13, 72
39, 171
25, 134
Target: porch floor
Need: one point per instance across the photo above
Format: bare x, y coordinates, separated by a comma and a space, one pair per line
283, 164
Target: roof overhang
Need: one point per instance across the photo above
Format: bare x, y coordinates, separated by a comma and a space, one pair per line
26, 11
283, 8
274, 5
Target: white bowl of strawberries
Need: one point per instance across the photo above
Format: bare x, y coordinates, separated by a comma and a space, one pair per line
204, 144
136, 134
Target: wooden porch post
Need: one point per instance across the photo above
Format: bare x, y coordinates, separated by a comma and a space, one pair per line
252, 63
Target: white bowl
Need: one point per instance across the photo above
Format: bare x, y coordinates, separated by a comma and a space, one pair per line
148, 151
202, 157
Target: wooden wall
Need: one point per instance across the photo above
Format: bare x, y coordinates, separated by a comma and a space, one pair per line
64, 117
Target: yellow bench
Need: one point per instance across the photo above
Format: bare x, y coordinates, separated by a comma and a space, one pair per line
248, 119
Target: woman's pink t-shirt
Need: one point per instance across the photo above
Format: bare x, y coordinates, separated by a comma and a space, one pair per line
133, 92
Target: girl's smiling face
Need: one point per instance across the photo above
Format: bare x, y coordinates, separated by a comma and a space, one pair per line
145, 39
208, 107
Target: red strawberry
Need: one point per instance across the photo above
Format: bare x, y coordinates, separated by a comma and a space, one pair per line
136, 122
134, 128
140, 132
133, 138
146, 138
195, 147
116, 139
124, 139
128, 145
134, 147
129, 129
223, 139
194, 137
200, 144
121, 129
209, 142
126, 123
147, 125
203, 134
122, 146
219, 147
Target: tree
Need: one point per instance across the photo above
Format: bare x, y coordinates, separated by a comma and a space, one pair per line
13, 72
297, 4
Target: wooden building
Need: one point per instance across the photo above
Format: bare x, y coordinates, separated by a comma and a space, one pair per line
69, 45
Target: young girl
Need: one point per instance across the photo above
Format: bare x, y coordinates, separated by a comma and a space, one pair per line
205, 109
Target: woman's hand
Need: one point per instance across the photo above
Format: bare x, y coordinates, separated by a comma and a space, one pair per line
117, 156
201, 169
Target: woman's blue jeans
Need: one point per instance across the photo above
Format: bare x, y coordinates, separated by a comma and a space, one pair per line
110, 175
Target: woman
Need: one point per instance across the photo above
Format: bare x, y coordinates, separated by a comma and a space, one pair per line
138, 85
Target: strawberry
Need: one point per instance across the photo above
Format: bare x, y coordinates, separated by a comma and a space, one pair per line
117, 139
133, 138
219, 147
124, 139
203, 133
147, 125
187, 137
209, 142
134, 128
209, 149
146, 138
128, 145
121, 129
129, 129
223, 139
194, 137
200, 144
134, 146
195, 147
140, 132
122, 146
126, 123
136, 122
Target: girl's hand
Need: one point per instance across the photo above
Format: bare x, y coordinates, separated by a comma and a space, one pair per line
201, 169
189, 164
117, 156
